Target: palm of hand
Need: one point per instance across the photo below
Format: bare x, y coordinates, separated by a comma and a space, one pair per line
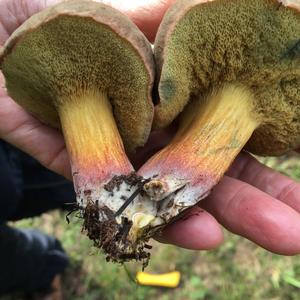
252, 200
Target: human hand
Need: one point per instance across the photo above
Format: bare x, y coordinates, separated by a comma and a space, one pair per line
252, 201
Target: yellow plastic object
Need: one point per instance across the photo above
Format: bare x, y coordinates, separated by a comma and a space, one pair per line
170, 280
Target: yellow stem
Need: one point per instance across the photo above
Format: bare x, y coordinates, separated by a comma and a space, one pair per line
92, 137
211, 134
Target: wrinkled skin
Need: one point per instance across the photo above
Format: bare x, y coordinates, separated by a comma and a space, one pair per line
252, 200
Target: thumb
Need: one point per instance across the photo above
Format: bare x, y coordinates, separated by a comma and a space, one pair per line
15, 12
146, 14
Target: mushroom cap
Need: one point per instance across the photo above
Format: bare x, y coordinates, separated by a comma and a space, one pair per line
76, 46
202, 45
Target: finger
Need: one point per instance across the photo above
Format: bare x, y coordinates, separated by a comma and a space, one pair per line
248, 169
198, 230
40, 141
255, 215
15, 12
147, 15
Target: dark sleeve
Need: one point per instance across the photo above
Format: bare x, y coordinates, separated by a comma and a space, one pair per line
10, 184
29, 260
43, 190
28, 189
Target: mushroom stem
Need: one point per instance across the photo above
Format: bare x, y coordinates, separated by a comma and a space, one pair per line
211, 134
103, 176
93, 140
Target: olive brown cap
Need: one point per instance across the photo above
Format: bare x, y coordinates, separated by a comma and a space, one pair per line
80, 45
256, 44
229, 72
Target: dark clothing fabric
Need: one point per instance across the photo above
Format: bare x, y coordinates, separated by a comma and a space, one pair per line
29, 260
28, 189
10, 183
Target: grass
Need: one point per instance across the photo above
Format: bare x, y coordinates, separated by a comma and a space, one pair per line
237, 270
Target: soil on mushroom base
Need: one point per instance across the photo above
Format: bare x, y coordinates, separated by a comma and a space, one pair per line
108, 234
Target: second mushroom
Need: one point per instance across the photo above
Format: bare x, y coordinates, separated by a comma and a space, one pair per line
230, 71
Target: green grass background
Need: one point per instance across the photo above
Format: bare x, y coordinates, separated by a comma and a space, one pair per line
237, 270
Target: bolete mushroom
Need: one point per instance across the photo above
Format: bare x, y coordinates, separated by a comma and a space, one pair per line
85, 68
231, 69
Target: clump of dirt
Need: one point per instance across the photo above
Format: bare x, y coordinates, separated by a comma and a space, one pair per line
101, 227
131, 179
110, 236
